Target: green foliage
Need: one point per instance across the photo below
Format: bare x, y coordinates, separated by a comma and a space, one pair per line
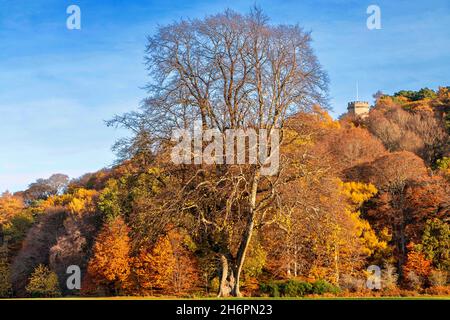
271, 288
109, 203
436, 243
255, 260
424, 93
130, 191
295, 288
322, 286
146, 184
43, 283
19, 226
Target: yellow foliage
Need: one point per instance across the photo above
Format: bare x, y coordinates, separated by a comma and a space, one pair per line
358, 192
366, 234
349, 236
82, 201
9, 207
79, 201
295, 139
325, 120
76, 205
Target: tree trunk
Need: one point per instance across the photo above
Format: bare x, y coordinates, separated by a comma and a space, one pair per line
229, 283
227, 278
336, 263
247, 236
241, 255
295, 260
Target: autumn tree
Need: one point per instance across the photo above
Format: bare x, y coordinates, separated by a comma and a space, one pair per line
442, 105
407, 197
227, 71
356, 194
169, 267
82, 201
436, 243
43, 283
110, 263
322, 233
154, 269
10, 206
11, 214
186, 270
109, 200
351, 238
78, 201
351, 146
324, 236
417, 267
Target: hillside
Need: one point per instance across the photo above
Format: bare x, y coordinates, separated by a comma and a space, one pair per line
359, 193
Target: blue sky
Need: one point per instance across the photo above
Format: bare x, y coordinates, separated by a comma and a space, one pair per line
57, 86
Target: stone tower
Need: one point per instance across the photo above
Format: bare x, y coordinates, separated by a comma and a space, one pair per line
358, 108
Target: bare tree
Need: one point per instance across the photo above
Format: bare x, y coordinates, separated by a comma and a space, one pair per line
44, 188
228, 71
421, 132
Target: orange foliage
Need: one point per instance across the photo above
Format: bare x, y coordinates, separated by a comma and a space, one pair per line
416, 262
168, 268
186, 274
110, 264
154, 269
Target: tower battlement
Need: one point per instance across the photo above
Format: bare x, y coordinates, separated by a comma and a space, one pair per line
358, 108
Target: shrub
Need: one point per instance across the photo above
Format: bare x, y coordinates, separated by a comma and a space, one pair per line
271, 288
414, 281
352, 284
389, 277
439, 290
322, 286
293, 288
438, 278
